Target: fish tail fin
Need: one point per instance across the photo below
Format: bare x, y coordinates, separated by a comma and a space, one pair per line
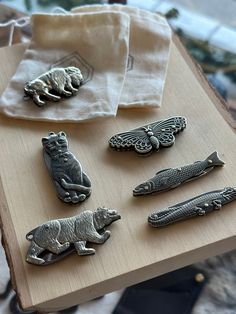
214, 160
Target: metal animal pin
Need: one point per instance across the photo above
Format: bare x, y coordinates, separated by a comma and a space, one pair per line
55, 239
71, 183
197, 206
149, 137
62, 81
167, 179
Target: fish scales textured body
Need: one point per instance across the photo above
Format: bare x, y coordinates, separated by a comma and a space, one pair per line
167, 179
177, 176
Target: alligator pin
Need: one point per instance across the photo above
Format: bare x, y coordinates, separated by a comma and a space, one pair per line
197, 206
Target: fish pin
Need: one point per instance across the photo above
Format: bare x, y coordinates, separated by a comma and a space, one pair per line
149, 137
167, 179
56, 239
197, 206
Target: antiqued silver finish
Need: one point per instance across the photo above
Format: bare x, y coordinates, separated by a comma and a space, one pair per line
149, 137
71, 183
167, 179
55, 239
197, 206
62, 81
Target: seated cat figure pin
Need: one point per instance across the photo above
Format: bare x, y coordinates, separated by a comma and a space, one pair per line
72, 184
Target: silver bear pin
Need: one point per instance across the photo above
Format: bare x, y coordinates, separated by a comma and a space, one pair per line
55, 239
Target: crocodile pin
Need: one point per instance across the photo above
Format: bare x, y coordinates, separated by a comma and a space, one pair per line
63, 81
149, 137
56, 239
167, 179
197, 206
71, 183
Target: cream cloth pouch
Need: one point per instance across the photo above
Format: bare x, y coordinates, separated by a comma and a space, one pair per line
149, 46
96, 43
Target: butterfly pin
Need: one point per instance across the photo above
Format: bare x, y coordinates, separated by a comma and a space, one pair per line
149, 137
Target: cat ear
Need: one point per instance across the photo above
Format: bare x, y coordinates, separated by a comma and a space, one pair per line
62, 133
51, 133
44, 140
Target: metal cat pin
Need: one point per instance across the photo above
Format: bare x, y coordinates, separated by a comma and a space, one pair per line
197, 206
62, 81
167, 179
149, 137
56, 239
71, 183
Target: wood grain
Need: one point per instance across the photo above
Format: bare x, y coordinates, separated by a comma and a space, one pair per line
135, 252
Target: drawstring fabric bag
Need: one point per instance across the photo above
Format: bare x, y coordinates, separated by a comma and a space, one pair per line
149, 47
95, 43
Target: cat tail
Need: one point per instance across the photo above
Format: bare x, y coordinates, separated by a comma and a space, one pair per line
75, 187
30, 235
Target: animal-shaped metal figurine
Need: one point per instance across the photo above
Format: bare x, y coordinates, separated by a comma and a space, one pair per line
197, 206
149, 137
62, 81
55, 239
167, 179
71, 183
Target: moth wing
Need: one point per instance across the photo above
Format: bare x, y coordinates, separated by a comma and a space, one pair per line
143, 145
164, 130
137, 139
166, 138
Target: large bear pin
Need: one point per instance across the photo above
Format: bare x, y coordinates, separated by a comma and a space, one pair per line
58, 238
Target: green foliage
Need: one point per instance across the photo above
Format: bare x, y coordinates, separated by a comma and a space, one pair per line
172, 14
66, 4
211, 58
28, 5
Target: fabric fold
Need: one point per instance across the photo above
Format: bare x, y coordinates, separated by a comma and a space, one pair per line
149, 47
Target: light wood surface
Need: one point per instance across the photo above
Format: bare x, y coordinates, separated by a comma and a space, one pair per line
135, 251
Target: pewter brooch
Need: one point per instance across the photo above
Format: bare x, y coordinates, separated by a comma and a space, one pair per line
56, 239
197, 206
149, 137
71, 183
167, 179
62, 81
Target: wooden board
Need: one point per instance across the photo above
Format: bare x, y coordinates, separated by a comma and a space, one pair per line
135, 251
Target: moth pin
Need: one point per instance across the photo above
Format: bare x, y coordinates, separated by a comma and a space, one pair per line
151, 137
